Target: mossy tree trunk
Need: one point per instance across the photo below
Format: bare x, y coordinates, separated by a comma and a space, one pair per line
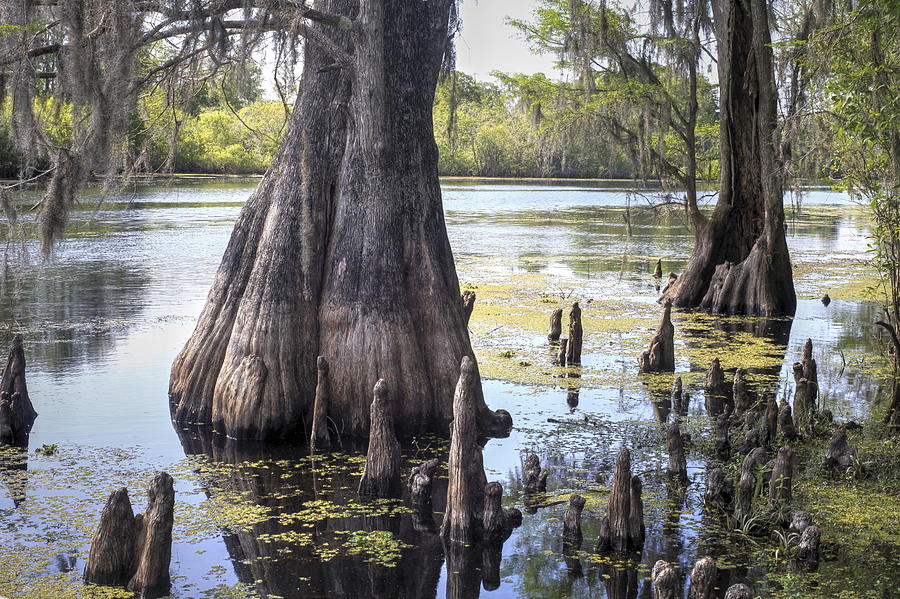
740, 262
342, 251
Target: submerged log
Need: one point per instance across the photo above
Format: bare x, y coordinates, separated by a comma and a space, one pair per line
665, 581
154, 540
715, 389
381, 474
534, 478
497, 521
677, 468
572, 536
723, 443
743, 397
658, 272
576, 335
719, 490
739, 591
780, 483
555, 325
467, 481
619, 504
420, 482
703, 579
809, 546
319, 438
660, 356
468, 302
111, 558
786, 422
18, 417
839, 456
561, 354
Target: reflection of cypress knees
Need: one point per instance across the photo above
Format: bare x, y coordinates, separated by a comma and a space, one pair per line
739, 591
111, 559
703, 579
780, 481
381, 475
660, 356
420, 479
153, 544
715, 389
465, 488
719, 490
534, 480
555, 325
468, 302
743, 397
561, 354
319, 438
17, 414
636, 528
723, 444
809, 545
677, 462
665, 581
497, 521
658, 272
572, 536
786, 423
839, 456
576, 334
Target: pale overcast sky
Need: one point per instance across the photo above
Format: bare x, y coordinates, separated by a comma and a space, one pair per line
487, 43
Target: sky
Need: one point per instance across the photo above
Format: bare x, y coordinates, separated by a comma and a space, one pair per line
487, 43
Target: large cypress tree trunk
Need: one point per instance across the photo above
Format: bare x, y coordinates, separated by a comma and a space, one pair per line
342, 251
741, 262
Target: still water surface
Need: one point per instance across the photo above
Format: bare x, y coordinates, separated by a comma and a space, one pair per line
104, 320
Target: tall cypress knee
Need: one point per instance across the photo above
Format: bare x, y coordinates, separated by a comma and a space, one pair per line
381, 475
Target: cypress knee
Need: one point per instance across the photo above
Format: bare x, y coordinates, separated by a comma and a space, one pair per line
111, 558
715, 389
809, 546
467, 481
665, 581
739, 591
497, 521
723, 444
576, 333
677, 468
658, 272
603, 538
555, 325
786, 423
420, 481
319, 438
468, 302
703, 579
636, 527
534, 479
780, 481
743, 397
660, 356
839, 456
800, 522
561, 354
381, 475
619, 505
572, 536
743, 504
154, 540
719, 490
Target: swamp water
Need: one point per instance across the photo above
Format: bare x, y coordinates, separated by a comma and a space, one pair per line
103, 322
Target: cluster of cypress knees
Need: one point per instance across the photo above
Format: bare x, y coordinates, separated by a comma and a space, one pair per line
134, 551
